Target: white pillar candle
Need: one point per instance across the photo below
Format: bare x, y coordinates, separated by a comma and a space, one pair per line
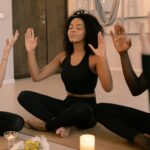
87, 142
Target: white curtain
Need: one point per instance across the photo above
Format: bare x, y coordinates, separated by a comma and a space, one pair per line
96, 8
109, 20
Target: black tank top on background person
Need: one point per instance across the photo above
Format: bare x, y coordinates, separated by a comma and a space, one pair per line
78, 79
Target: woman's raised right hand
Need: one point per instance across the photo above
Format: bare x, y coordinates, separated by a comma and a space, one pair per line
30, 40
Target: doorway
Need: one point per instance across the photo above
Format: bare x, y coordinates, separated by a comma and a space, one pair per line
47, 18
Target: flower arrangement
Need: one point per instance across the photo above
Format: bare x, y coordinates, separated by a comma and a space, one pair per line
36, 143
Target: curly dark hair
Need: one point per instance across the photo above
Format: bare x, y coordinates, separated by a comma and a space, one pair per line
92, 27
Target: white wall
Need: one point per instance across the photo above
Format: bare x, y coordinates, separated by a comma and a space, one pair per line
5, 32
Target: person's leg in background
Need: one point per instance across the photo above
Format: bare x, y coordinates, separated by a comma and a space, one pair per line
126, 122
10, 122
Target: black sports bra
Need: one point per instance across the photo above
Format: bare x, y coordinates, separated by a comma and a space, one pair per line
78, 79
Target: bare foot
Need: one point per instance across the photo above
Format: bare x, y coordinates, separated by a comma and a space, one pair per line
63, 131
36, 124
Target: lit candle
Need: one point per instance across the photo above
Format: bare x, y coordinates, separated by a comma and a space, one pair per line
87, 142
11, 137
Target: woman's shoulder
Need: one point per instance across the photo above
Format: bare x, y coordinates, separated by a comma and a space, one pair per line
92, 62
61, 56
92, 58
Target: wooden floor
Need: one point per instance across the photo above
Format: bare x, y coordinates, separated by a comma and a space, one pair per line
105, 140
3, 143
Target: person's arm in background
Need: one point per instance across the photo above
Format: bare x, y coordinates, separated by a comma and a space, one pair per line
137, 85
145, 42
6, 50
146, 70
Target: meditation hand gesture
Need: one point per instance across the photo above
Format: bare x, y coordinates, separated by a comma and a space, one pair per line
101, 50
121, 43
10, 42
30, 40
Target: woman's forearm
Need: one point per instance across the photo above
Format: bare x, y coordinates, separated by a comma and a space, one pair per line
105, 75
3, 66
133, 81
33, 66
146, 68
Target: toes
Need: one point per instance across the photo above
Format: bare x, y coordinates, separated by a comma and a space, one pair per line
63, 132
57, 131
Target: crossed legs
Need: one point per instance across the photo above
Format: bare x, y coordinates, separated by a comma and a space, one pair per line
57, 114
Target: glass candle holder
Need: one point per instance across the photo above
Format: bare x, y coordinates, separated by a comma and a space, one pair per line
11, 137
87, 142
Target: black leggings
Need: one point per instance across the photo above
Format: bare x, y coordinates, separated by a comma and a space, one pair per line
10, 122
57, 113
125, 121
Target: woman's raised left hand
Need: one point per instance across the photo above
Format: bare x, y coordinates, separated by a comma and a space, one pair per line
11, 41
100, 51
